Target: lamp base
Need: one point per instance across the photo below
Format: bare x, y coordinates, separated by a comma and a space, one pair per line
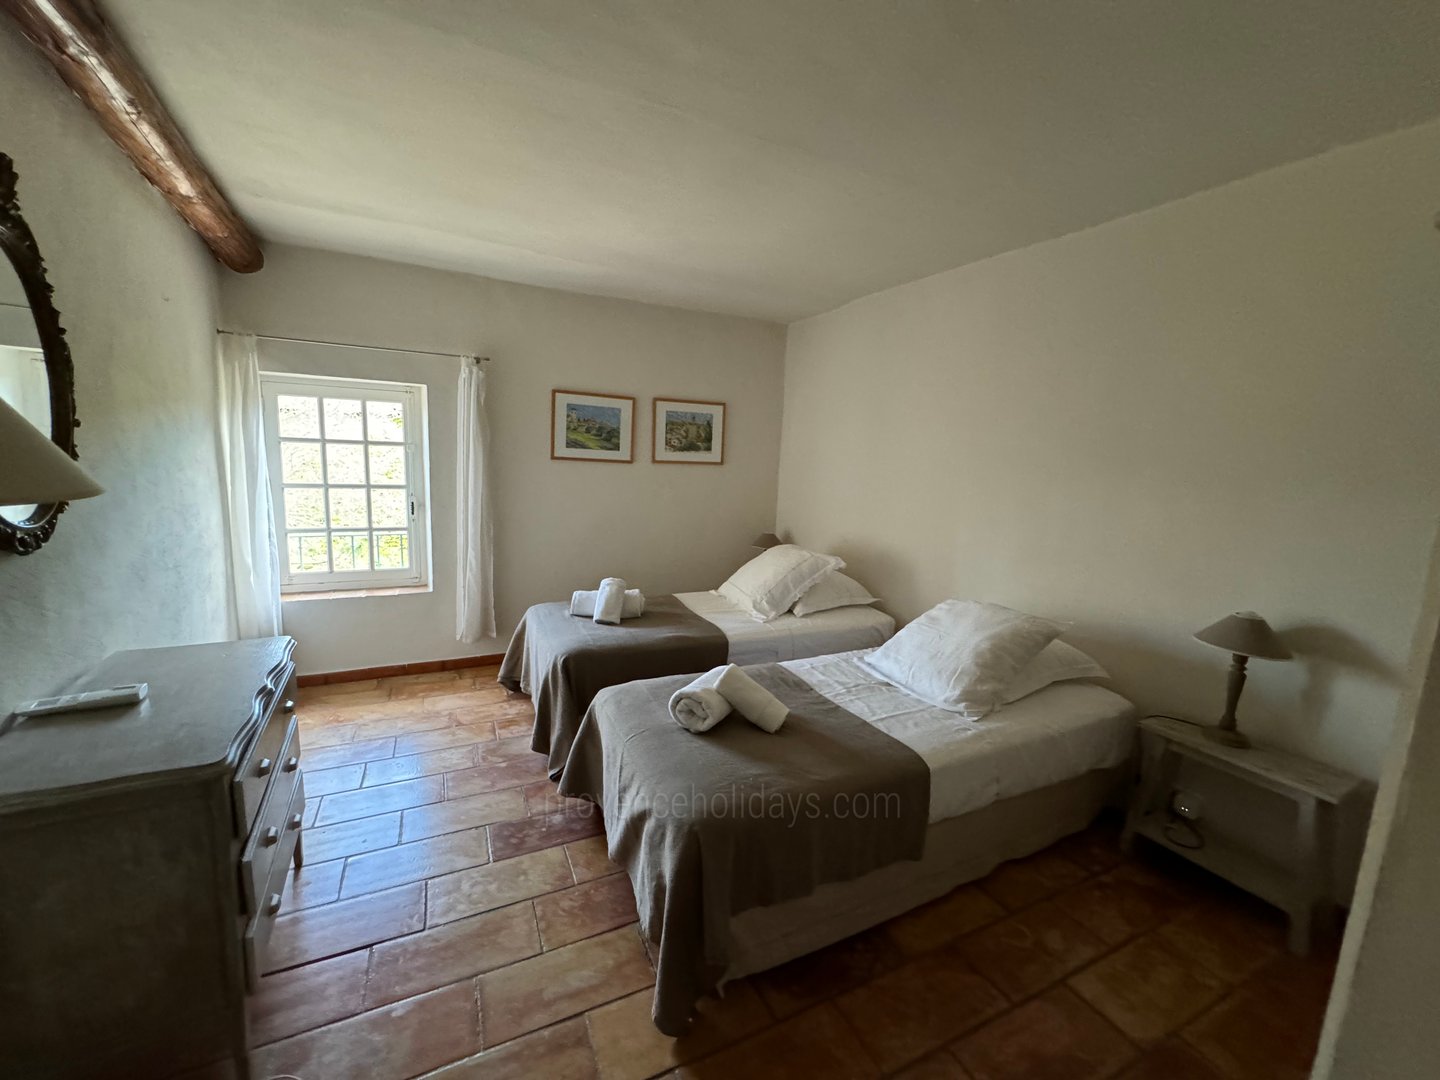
1227, 737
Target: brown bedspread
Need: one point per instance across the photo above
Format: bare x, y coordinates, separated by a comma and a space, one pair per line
711, 825
563, 661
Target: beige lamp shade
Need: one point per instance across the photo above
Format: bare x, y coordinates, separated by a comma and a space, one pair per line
1246, 634
766, 540
33, 469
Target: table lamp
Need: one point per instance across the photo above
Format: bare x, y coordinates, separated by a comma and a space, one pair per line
1243, 635
36, 470
766, 540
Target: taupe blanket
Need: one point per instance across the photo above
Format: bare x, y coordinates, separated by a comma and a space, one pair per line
563, 661
710, 825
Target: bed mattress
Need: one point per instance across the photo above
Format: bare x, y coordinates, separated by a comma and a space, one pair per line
790, 636
1053, 735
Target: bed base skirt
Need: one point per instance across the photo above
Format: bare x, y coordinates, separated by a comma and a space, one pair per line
957, 850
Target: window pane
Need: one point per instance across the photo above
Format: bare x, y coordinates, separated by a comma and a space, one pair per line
299, 416
351, 551
342, 419
300, 463
307, 554
392, 550
386, 421
304, 508
387, 464
347, 462
389, 506
347, 508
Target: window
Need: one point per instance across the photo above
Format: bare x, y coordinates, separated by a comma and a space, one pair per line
347, 468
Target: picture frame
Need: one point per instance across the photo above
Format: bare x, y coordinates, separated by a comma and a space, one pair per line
688, 432
589, 426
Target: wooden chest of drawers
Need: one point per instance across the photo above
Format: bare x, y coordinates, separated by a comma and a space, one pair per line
143, 855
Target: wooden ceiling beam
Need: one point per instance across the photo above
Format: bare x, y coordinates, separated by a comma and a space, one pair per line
74, 36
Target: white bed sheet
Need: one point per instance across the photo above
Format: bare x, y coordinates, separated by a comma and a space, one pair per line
1057, 733
790, 636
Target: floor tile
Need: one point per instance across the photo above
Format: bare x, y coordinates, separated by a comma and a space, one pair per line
511, 838
313, 884
1027, 952
628, 1046
290, 1002
324, 842
444, 738
1096, 849
585, 910
554, 985
312, 809
1233, 940
514, 725
815, 977
509, 749
328, 781
1054, 1037
817, 1043
366, 802
345, 925
456, 814
542, 797
393, 770
482, 888
590, 858
1147, 989
403, 723
317, 737
414, 862
1023, 882
942, 921
559, 1052
392, 1043
941, 1065
1171, 1060
445, 954
907, 1013
449, 702
357, 751
495, 776
1120, 905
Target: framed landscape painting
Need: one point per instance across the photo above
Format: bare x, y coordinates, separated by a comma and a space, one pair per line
591, 427
689, 432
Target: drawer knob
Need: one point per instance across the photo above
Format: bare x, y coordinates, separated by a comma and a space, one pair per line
263, 769
272, 836
272, 905
292, 764
294, 821
289, 705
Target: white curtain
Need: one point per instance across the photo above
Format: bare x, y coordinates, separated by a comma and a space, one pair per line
254, 557
475, 525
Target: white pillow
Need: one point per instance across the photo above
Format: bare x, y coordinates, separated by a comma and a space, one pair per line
834, 590
961, 655
1056, 662
769, 584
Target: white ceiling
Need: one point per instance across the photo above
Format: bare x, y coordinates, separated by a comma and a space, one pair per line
774, 158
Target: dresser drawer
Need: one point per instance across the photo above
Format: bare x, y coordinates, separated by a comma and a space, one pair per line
259, 765
280, 814
262, 923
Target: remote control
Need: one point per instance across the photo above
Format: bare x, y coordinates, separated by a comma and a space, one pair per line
130, 694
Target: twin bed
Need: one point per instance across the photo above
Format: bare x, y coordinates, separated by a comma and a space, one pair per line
747, 849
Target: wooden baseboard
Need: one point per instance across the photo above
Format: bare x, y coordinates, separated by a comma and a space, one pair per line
419, 667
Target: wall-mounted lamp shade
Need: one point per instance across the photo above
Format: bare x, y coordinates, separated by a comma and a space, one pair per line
766, 540
33, 469
1246, 634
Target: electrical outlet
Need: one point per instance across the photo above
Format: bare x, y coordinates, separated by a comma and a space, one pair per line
1187, 805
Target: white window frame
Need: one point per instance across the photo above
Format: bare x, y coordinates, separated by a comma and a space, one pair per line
412, 398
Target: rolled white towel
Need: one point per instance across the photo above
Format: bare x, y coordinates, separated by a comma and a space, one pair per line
750, 699
582, 603
610, 603
698, 706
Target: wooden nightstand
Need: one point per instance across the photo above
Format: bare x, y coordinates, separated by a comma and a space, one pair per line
1304, 891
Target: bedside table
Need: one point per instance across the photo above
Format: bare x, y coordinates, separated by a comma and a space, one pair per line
1303, 891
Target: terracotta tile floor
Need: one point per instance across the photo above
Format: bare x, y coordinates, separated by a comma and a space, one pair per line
458, 918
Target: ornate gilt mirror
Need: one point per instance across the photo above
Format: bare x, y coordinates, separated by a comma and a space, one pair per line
37, 377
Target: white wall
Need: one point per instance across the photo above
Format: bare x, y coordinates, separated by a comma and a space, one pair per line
559, 525
1227, 402
144, 564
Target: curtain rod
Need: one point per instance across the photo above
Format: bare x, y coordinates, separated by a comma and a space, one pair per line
349, 345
